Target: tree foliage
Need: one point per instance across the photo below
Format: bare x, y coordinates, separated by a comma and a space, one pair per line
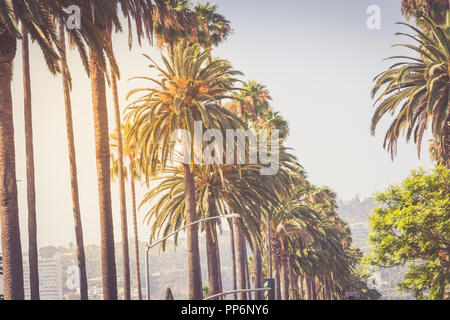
411, 226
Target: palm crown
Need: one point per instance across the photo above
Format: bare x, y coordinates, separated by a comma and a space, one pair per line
190, 89
416, 92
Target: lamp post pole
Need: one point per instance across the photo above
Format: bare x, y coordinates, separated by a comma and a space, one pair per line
269, 247
149, 246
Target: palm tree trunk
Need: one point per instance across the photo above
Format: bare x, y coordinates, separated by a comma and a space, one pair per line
284, 276
217, 249
31, 190
9, 215
302, 288
136, 236
333, 288
447, 142
102, 151
213, 280
219, 269
276, 268
309, 288
233, 258
257, 260
123, 204
313, 288
240, 259
327, 289
211, 245
269, 245
81, 259
195, 276
294, 283
247, 273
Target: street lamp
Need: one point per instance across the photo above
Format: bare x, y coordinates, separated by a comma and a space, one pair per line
149, 246
226, 293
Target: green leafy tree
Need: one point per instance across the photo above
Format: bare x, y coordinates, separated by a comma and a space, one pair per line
411, 226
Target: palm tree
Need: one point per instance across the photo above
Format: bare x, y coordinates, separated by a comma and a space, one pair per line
233, 258
179, 25
420, 87
234, 190
142, 12
81, 259
104, 17
436, 9
100, 113
188, 91
214, 28
252, 105
31, 192
241, 261
36, 22
98, 45
133, 172
122, 195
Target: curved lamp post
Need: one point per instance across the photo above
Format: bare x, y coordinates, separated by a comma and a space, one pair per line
226, 293
149, 246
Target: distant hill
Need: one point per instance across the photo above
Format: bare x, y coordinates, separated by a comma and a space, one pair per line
356, 212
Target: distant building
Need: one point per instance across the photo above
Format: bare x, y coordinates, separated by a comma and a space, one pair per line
50, 278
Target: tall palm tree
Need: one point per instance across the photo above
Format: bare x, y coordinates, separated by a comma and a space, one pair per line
233, 259
31, 191
132, 172
104, 16
91, 37
31, 194
188, 91
35, 16
81, 259
100, 113
142, 12
252, 104
416, 91
240, 258
122, 195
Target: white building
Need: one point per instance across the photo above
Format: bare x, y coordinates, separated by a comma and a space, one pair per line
50, 278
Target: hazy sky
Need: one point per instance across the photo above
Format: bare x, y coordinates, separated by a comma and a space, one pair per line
318, 60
